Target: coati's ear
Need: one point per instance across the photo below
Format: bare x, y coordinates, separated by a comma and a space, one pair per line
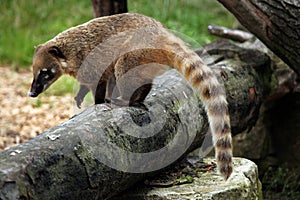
36, 48
54, 50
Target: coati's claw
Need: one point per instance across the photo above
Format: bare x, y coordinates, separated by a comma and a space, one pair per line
78, 101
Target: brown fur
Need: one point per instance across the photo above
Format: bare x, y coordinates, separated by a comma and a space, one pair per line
135, 40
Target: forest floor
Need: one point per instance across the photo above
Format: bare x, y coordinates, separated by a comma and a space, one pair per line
23, 118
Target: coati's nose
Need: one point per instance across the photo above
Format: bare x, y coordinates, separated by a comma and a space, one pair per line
36, 88
32, 94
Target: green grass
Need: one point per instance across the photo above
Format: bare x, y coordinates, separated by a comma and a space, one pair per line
190, 17
25, 24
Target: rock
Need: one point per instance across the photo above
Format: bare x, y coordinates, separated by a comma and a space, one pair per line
243, 184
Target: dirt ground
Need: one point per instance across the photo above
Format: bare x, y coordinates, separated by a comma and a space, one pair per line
23, 118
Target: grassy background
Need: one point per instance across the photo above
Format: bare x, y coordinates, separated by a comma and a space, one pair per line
25, 24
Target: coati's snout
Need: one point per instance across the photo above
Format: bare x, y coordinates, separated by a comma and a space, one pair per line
43, 80
46, 68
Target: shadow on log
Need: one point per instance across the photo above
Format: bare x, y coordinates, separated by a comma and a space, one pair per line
83, 157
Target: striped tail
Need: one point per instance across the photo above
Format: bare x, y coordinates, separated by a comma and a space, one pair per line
213, 96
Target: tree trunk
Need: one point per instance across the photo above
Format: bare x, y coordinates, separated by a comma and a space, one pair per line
108, 7
100, 152
274, 22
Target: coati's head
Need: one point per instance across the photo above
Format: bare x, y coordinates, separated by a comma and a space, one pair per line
47, 68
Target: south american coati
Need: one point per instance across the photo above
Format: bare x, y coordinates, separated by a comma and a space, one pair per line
131, 40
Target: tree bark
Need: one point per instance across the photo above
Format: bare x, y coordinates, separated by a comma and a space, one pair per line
276, 23
108, 7
83, 158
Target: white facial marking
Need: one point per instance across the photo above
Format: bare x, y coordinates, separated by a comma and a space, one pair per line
64, 64
44, 69
38, 73
53, 70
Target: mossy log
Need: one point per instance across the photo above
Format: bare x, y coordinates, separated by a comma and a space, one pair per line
83, 158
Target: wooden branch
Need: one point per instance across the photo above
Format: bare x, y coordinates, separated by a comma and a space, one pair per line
83, 157
232, 34
275, 22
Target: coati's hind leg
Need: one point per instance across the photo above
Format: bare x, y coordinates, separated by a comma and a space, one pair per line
140, 94
134, 72
135, 99
131, 91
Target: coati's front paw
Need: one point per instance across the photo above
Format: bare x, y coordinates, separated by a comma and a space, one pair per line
78, 100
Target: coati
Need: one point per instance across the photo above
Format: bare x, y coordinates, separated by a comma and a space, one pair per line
133, 40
